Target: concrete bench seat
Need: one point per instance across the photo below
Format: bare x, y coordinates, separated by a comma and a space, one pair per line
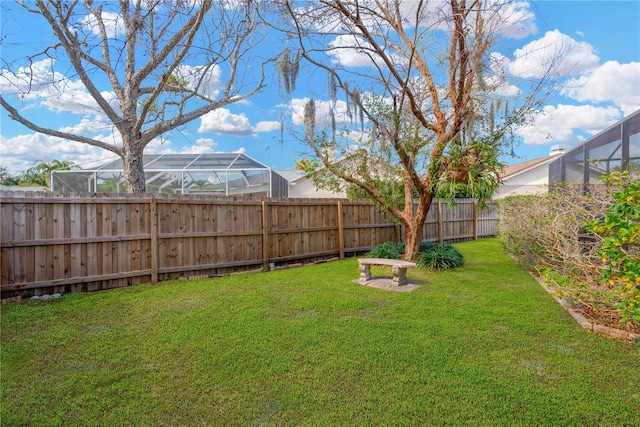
398, 267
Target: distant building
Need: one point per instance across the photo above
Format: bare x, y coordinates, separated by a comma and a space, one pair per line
302, 187
530, 177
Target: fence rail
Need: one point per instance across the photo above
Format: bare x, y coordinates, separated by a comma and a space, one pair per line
60, 242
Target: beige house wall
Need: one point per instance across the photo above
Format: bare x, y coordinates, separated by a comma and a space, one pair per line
303, 188
533, 181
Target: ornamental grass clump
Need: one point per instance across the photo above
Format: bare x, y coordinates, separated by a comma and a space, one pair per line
439, 257
387, 250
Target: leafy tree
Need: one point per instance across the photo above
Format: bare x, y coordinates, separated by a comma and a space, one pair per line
40, 174
418, 78
7, 179
149, 66
37, 175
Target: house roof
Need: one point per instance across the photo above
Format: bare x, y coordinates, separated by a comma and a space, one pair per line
291, 175
518, 168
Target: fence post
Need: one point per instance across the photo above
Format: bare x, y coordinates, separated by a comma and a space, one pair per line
475, 220
265, 235
153, 210
340, 230
440, 236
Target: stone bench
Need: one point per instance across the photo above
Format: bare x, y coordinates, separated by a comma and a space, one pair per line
398, 267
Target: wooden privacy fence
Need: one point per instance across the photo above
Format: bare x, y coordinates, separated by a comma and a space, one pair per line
60, 243
464, 221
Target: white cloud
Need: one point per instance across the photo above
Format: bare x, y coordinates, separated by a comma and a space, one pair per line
159, 146
36, 78
114, 26
554, 53
322, 113
561, 123
206, 142
514, 19
202, 146
351, 51
89, 126
165, 146
498, 78
196, 149
203, 79
224, 121
267, 126
20, 152
41, 86
610, 82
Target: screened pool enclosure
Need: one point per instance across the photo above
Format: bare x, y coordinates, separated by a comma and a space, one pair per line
617, 148
222, 174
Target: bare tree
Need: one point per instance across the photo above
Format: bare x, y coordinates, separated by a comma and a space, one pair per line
419, 77
150, 66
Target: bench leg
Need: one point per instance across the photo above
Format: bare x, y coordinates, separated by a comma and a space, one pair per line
400, 276
365, 272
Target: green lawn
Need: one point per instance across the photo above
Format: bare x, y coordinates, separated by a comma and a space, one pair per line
480, 345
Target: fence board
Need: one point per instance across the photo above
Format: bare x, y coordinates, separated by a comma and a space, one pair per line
57, 242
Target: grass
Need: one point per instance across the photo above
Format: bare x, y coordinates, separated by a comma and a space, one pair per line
478, 345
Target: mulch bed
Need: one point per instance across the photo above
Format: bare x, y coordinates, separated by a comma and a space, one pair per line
601, 320
609, 318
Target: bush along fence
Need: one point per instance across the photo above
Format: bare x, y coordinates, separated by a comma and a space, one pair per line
52, 243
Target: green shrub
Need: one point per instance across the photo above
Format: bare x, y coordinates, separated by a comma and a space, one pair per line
387, 250
572, 238
620, 251
428, 246
439, 257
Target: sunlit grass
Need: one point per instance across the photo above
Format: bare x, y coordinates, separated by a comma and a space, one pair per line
478, 345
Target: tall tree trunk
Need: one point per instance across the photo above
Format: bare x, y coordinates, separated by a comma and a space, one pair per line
412, 241
413, 227
133, 169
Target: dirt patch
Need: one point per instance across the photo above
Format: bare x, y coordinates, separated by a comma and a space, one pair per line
387, 284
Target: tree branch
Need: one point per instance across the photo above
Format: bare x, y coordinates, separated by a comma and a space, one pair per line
14, 115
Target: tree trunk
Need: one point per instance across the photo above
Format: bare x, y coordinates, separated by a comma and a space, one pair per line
413, 228
133, 170
412, 239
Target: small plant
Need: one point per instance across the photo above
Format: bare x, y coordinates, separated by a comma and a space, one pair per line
387, 250
439, 257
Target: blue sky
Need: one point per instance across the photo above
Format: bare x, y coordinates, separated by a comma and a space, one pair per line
604, 35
